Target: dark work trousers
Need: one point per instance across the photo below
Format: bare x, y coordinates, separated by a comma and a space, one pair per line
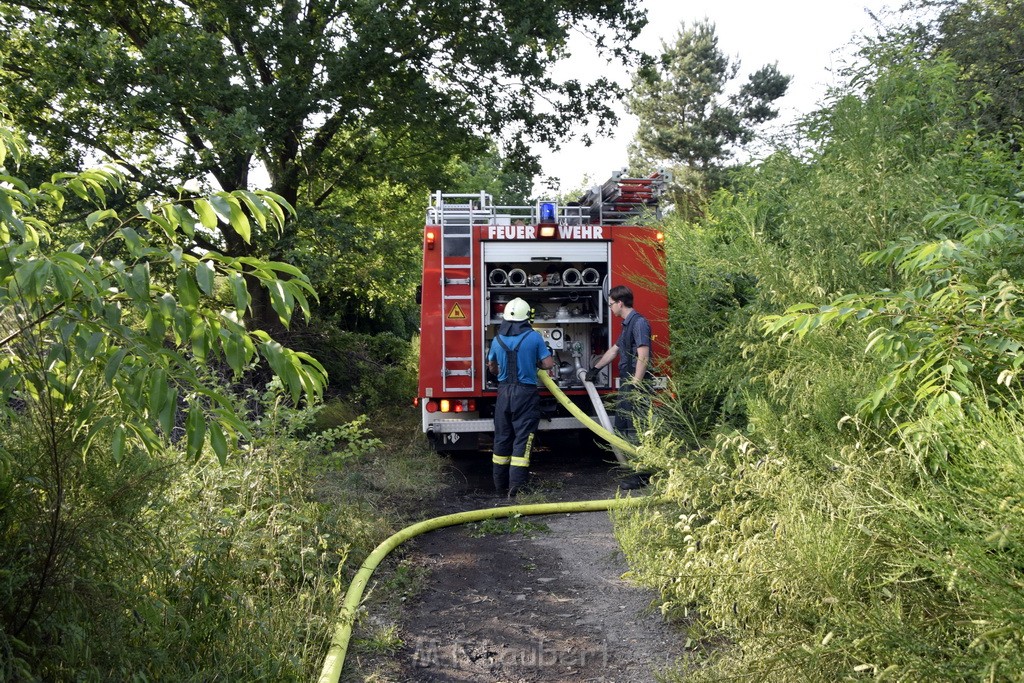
632, 400
516, 416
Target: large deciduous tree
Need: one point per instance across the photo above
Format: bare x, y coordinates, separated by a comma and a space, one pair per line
986, 39
686, 119
328, 97
103, 347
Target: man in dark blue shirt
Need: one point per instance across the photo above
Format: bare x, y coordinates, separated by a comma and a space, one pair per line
634, 351
516, 353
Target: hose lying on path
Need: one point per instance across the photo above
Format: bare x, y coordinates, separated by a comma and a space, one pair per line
343, 630
331, 671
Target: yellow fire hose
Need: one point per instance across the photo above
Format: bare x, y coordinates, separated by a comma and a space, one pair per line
331, 671
587, 421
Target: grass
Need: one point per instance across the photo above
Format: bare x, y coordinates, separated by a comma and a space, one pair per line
382, 640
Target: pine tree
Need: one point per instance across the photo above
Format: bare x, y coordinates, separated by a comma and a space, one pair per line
686, 120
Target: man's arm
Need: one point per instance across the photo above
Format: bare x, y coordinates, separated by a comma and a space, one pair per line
608, 356
492, 361
643, 357
548, 361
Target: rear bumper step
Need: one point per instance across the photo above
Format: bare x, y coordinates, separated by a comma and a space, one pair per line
487, 425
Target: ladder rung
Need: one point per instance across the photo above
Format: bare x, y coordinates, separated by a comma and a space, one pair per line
451, 359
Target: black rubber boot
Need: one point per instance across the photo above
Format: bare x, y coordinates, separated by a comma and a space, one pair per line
635, 481
500, 478
518, 479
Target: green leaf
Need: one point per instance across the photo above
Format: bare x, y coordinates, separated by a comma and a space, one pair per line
239, 292
131, 239
204, 276
139, 289
113, 365
310, 360
240, 222
164, 224
303, 303
64, 283
188, 293
221, 205
256, 207
158, 391
187, 220
117, 444
207, 216
274, 353
78, 187
24, 276
167, 413
99, 216
286, 268
198, 339
167, 305
219, 443
281, 301
182, 325
195, 431
277, 204
234, 352
92, 345
172, 219
40, 278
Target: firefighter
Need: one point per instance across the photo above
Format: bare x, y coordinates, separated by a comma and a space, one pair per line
516, 353
634, 350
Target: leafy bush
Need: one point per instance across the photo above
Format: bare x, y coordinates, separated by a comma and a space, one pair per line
953, 332
374, 371
153, 526
828, 513
194, 566
108, 316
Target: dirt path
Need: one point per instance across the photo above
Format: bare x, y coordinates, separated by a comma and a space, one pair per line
529, 607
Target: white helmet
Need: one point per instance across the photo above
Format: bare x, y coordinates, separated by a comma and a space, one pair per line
517, 309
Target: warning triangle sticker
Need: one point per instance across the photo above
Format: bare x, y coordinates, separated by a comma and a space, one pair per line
456, 313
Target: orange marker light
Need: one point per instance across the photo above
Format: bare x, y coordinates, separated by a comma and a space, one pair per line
430, 239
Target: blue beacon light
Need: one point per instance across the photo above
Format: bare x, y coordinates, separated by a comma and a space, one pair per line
547, 212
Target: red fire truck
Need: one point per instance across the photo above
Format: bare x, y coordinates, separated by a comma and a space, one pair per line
562, 260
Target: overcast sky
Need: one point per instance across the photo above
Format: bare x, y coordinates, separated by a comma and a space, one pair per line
808, 39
